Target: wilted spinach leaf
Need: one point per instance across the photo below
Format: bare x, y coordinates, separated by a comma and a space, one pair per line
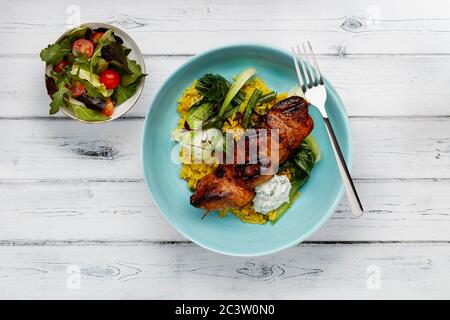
301, 165
305, 158
213, 87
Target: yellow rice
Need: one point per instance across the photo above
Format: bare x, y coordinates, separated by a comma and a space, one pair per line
192, 172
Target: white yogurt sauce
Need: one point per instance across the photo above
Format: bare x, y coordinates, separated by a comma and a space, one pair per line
271, 194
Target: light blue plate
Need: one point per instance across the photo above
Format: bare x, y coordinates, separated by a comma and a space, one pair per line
229, 235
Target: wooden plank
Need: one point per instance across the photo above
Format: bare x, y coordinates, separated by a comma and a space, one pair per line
190, 272
400, 88
181, 27
65, 149
122, 211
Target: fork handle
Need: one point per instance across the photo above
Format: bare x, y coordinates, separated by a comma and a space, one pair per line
350, 189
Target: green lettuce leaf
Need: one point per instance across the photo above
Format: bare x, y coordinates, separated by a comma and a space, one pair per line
106, 39
307, 155
135, 73
54, 53
86, 114
58, 97
92, 78
123, 93
77, 33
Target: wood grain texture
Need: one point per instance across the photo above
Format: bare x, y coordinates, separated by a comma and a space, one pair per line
184, 271
404, 86
186, 27
74, 195
49, 211
48, 149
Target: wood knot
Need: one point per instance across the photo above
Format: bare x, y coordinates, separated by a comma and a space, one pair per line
351, 24
96, 150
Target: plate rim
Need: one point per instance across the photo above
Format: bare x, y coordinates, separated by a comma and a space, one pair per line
348, 156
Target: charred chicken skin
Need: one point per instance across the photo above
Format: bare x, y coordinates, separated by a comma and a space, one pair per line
232, 185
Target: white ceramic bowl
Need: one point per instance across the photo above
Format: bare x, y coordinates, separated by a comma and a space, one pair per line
135, 54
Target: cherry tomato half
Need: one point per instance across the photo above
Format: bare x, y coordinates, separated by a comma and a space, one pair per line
95, 37
78, 89
109, 108
59, 67
110, 78
83, 46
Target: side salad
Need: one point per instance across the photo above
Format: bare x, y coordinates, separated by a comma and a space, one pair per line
89, 72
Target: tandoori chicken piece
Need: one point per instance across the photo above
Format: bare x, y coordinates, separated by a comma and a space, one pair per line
221, 190
232, 185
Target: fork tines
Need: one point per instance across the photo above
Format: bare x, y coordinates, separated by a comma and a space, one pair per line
308, 73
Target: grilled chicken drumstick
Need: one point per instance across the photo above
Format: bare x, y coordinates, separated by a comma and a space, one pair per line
232, 185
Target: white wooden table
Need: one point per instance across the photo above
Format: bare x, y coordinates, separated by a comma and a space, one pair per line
75, 217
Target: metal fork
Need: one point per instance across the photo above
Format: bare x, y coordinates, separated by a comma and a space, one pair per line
311, 82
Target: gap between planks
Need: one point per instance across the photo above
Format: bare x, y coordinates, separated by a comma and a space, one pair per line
190, 55
138, 118
132, 180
